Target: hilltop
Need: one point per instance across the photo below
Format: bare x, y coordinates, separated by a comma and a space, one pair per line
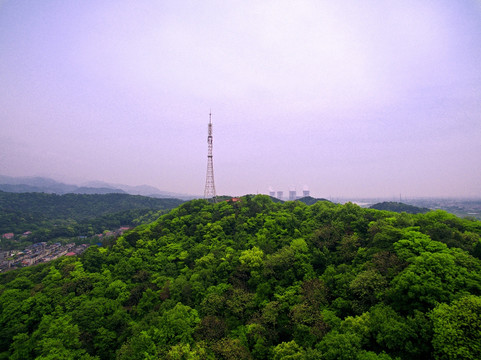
309, 200
399, 207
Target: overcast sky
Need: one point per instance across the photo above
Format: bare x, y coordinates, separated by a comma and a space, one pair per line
348, 97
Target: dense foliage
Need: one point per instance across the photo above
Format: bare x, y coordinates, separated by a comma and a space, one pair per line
49, 216
254, 279
309, 200
399, 207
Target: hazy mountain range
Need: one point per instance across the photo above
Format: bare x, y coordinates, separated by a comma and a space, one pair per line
47, 185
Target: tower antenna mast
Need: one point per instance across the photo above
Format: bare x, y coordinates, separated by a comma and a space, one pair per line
209, 191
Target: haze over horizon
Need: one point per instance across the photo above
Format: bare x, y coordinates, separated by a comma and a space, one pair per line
352, 99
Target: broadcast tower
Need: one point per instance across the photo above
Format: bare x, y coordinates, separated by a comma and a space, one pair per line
209, 191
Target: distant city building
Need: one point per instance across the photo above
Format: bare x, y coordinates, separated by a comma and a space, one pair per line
292, 195
8, 236
272, 192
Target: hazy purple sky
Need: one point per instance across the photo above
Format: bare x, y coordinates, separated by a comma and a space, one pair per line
348, 97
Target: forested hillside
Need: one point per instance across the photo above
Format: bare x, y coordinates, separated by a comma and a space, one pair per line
254, 279
399, 207
50, 215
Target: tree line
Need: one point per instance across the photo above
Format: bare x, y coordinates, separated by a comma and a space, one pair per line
52, 216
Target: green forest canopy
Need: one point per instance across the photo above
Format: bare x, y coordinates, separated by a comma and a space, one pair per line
49, 215
399, 207
255, 279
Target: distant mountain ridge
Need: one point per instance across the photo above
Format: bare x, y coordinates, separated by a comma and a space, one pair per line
50, 216
309, 200
144, 190
399, 207
47, 185
22, 188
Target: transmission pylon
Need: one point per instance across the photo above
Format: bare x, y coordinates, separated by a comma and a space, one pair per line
209, 191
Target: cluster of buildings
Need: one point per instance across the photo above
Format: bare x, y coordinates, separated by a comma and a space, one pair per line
41, 252
116, 233
37, 253
292, 194
10, 236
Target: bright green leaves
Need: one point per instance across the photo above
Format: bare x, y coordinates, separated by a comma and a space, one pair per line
457, 329
430, 279
252, 259
415, 243
58, 338
187, 352
171, 333
178, 325
288, 351
139, 347
117, 290
339, 346
384, 329
436, 273
299, 246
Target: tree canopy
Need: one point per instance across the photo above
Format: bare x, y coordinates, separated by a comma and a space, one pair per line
49, 216
255, 279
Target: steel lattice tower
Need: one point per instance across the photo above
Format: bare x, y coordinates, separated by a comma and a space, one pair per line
209, 191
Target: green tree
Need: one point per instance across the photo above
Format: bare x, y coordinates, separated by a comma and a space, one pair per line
231, 349
457, 329
139, 347
187, 352
339, 346
178, 325
367, 287
288, 351
58, 338
430, 279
